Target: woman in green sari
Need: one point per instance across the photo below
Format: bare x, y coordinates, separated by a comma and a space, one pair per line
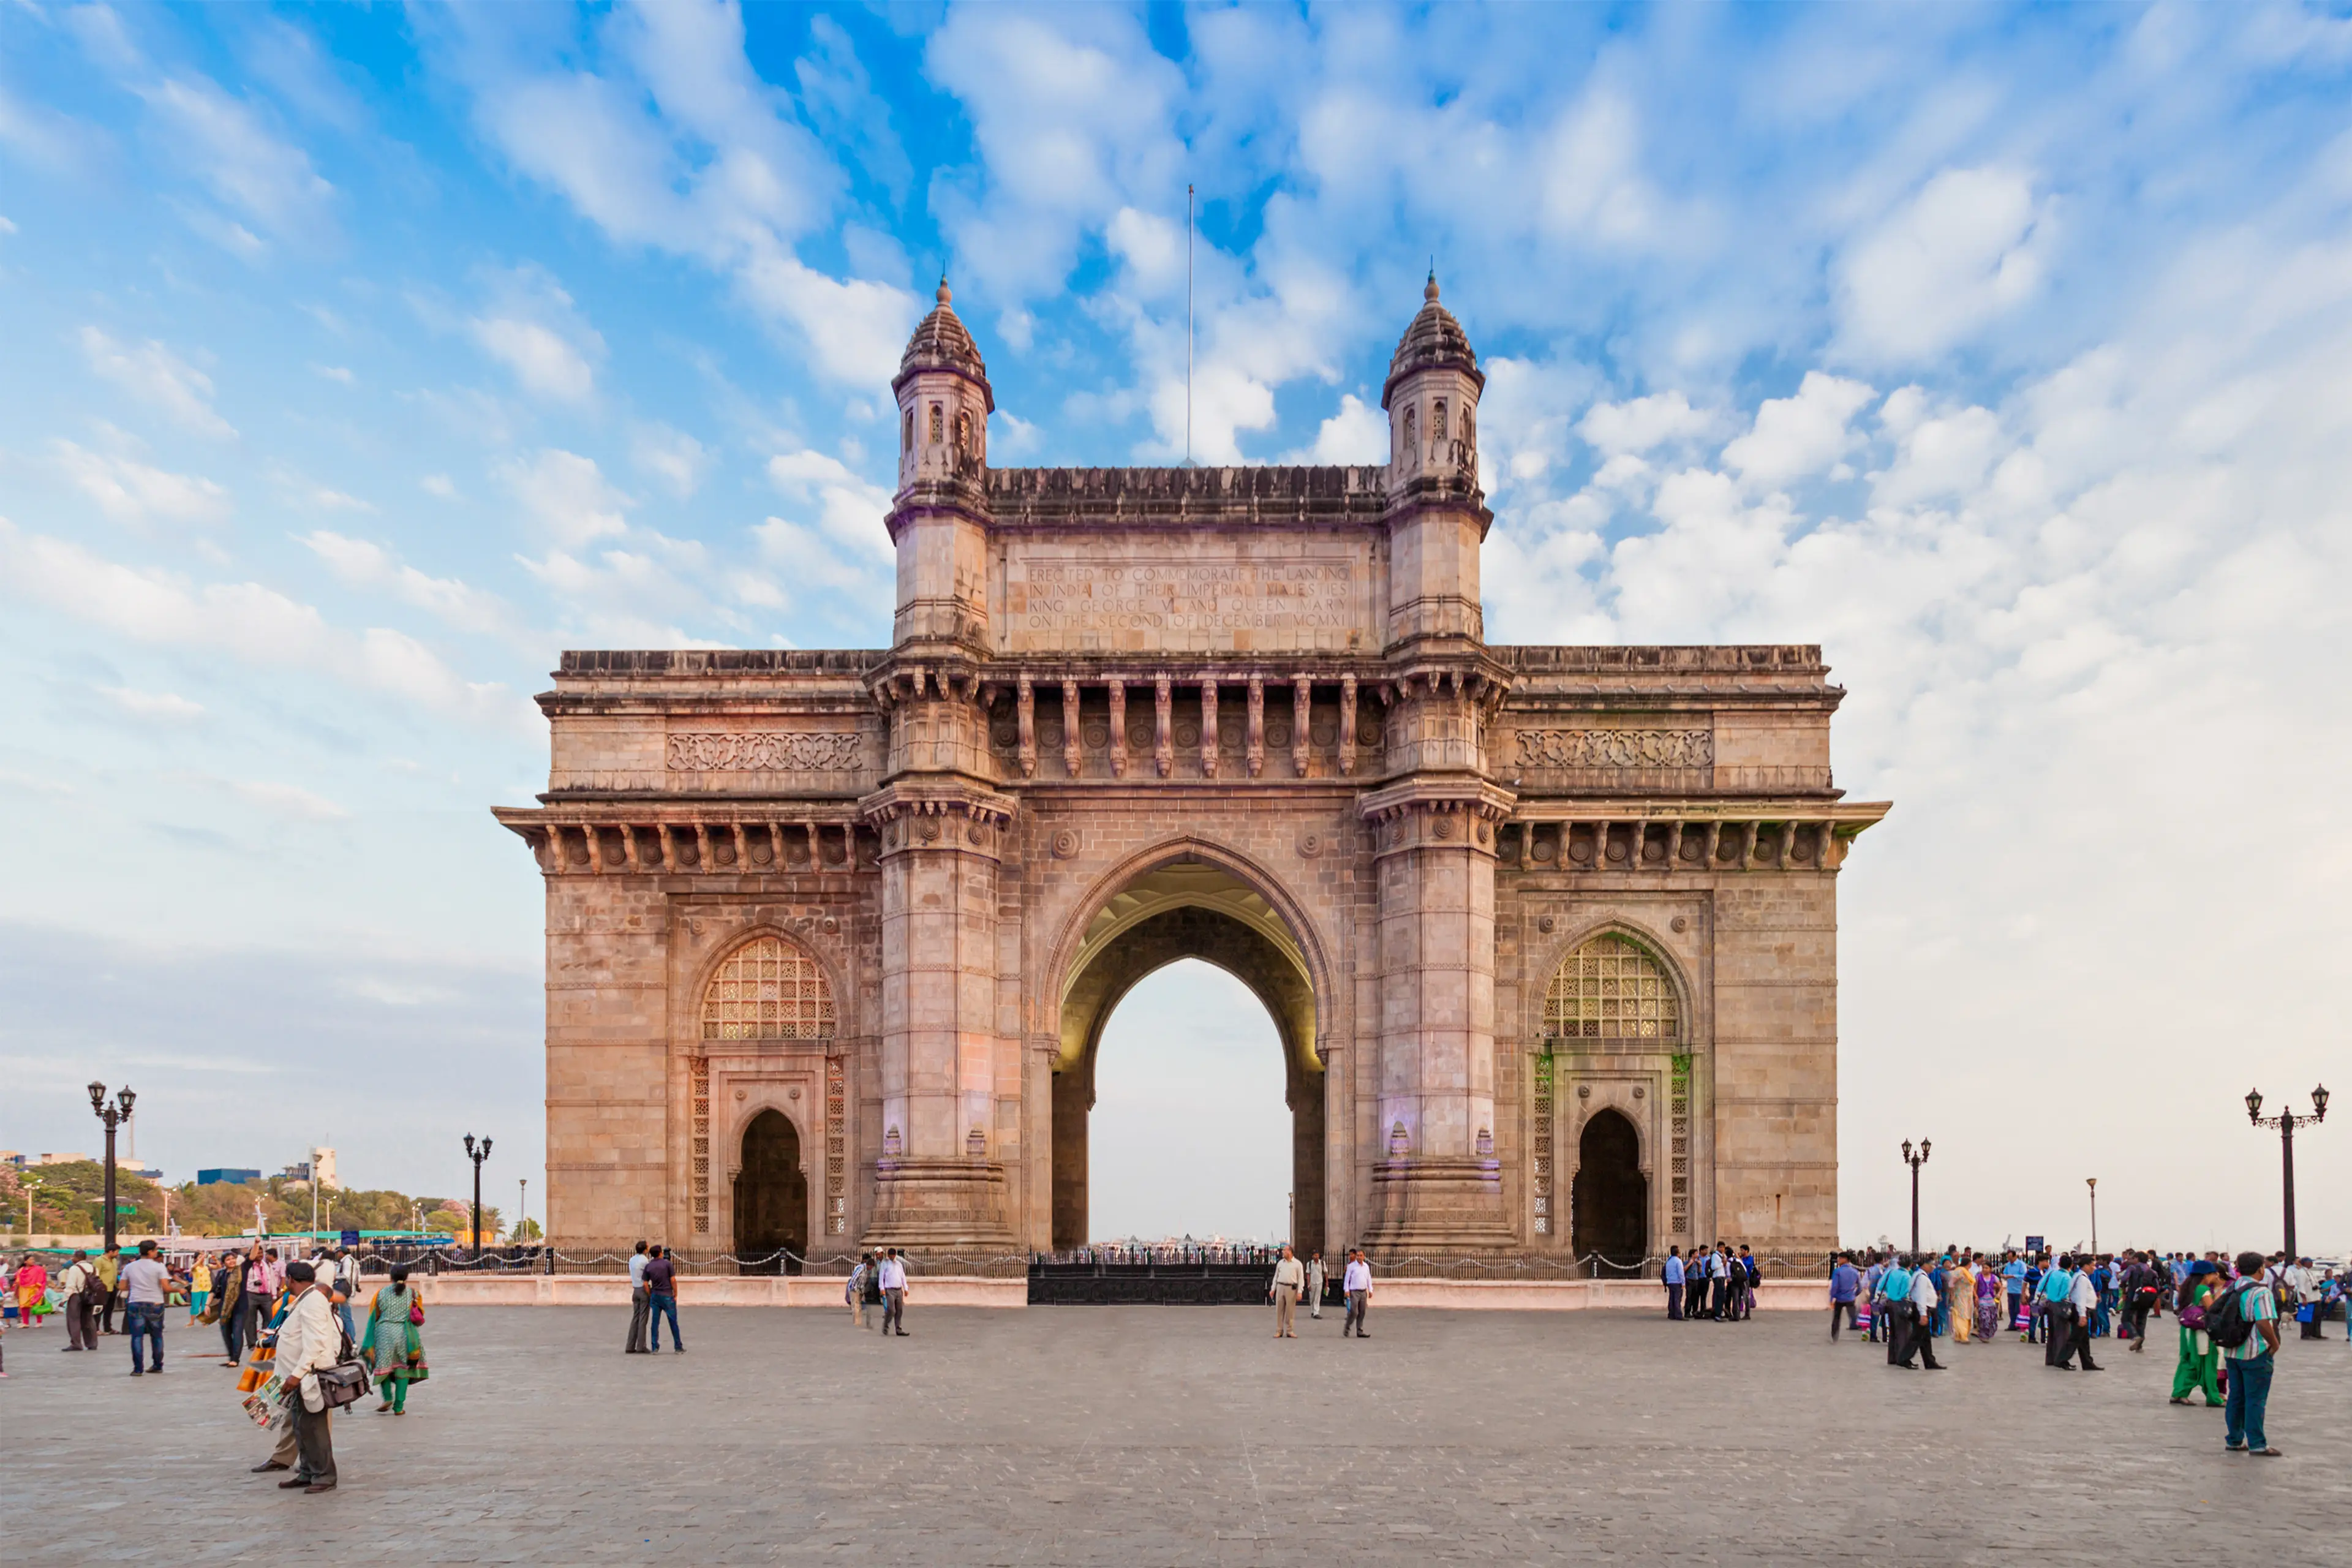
394, 1340
2199, 1357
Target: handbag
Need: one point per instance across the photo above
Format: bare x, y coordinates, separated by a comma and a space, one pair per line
416, 1314
346, 1382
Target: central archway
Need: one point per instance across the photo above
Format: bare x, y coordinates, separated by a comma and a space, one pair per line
771, 1198
1186, 907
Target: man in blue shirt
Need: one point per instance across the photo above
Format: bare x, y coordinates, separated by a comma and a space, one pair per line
1673, 1278
1892, 1301
1845, 1284
2013, 1287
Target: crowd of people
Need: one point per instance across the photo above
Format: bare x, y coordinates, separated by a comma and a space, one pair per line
1713, 1285
285, 1324
2228, 1313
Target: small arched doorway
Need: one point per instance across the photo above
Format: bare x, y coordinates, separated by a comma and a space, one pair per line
771, 1198
1611, 1198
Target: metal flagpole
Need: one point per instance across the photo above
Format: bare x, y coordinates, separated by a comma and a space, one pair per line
1188, 326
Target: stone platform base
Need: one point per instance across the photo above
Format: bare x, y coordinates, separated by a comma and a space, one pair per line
965, 1290
756, 1291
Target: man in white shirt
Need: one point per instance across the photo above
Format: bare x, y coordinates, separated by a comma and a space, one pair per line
2083, 1297
638, 1304
143, 1280
893, 1293
307, 1343
1289, 1278
1924, 1300
1317, 1277
1357, 1282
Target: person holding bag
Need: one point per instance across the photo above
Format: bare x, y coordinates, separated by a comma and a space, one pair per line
394, 1340
310, 1342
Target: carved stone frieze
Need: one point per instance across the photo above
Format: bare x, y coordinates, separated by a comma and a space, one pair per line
1615, 748
764, 750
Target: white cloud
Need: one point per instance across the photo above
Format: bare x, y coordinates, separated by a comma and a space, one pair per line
1358, 433
675, 142
132, 491
1973, 244
247, 621
154, 707
364, 564
543, 361
237, 157
567, 494
1796, 438
334, 373
155, 374
288, 800
1641, 423
849, 509
439, 485
672, 457
532, 326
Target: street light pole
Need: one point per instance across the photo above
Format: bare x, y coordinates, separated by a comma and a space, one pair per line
2286, 1122
2093, 1183
522, 1207
478, 1156
1915, 1161
112, 1116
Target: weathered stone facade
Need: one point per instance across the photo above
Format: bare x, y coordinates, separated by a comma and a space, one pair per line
1492, 897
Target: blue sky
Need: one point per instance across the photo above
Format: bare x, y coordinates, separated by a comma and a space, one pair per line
353, 361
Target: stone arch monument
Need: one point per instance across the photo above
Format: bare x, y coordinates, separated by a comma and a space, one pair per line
1249, 715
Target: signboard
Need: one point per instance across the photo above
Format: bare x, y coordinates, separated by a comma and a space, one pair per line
350, 1237
2034, 1244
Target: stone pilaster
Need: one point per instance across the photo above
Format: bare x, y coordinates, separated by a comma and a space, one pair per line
940, 1181
1437, 1186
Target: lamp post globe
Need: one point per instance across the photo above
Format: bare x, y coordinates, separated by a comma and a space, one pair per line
1915, 1161
2286, 1122
478, 1155
110, 1117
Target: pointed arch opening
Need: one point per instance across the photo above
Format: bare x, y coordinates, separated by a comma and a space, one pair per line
1183, 909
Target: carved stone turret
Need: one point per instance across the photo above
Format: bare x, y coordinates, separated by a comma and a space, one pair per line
1437, 515
939, 518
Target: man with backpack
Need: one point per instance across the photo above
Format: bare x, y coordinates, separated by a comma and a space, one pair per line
2244, 1322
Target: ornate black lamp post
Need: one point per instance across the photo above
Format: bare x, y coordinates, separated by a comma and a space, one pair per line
113, 1115
478, 1156
1915, 1161
2286, 1122
2093, 1184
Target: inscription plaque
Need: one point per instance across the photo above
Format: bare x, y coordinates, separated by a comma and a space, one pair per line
1150, 601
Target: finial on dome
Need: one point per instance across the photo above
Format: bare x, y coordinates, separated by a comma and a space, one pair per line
1429, 290
944, 296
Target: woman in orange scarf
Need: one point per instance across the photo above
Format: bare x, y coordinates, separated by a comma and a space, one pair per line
32, 1291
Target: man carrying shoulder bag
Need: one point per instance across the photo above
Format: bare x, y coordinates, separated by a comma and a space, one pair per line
310, 1342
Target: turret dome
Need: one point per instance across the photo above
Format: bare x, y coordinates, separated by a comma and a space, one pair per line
942, 343
1435, 341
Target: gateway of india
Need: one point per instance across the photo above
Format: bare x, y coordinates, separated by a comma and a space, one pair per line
1549, 934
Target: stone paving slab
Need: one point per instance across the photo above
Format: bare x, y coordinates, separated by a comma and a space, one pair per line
1182, 1436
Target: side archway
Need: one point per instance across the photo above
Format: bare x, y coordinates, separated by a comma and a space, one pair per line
1611, 1198
1616, 1026
772, 1227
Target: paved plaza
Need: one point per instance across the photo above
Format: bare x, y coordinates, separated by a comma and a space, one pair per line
1145, 1435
